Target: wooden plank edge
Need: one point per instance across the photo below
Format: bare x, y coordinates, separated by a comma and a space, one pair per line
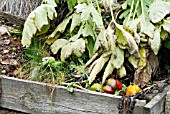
157, 104
139, 105
13, 19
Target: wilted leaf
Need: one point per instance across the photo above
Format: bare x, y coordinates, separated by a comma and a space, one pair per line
61, 27
121, 39
121, 72
143, 75
108, 70
156, 41
133, 47
118, 58
59, 43
110, 37
143, 56
35, 22
153, 62
158, 10
98, 42
97, 67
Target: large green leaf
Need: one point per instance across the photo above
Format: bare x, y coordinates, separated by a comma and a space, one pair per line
97, 67
35, 22
158, 10
87, 11
59, 43
156, 41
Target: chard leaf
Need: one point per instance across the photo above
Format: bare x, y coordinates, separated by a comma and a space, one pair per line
35, 22
59, 43
158, 10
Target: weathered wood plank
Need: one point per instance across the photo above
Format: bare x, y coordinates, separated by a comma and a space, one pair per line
167, 103
157, 104
16, 11
35, 97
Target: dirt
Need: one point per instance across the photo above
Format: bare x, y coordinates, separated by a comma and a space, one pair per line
10, 52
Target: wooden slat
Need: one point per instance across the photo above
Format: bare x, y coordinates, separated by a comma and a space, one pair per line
157, 104
16, 11
35, 97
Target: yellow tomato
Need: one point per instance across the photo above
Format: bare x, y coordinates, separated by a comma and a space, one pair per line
133, 89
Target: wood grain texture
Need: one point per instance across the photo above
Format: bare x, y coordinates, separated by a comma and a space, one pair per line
157, 104
16, 11
35, 97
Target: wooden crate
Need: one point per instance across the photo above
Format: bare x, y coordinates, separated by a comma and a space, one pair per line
38, 98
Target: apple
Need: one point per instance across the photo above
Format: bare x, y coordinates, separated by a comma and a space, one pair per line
111, 82
118, 85
97, 87
108, 89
